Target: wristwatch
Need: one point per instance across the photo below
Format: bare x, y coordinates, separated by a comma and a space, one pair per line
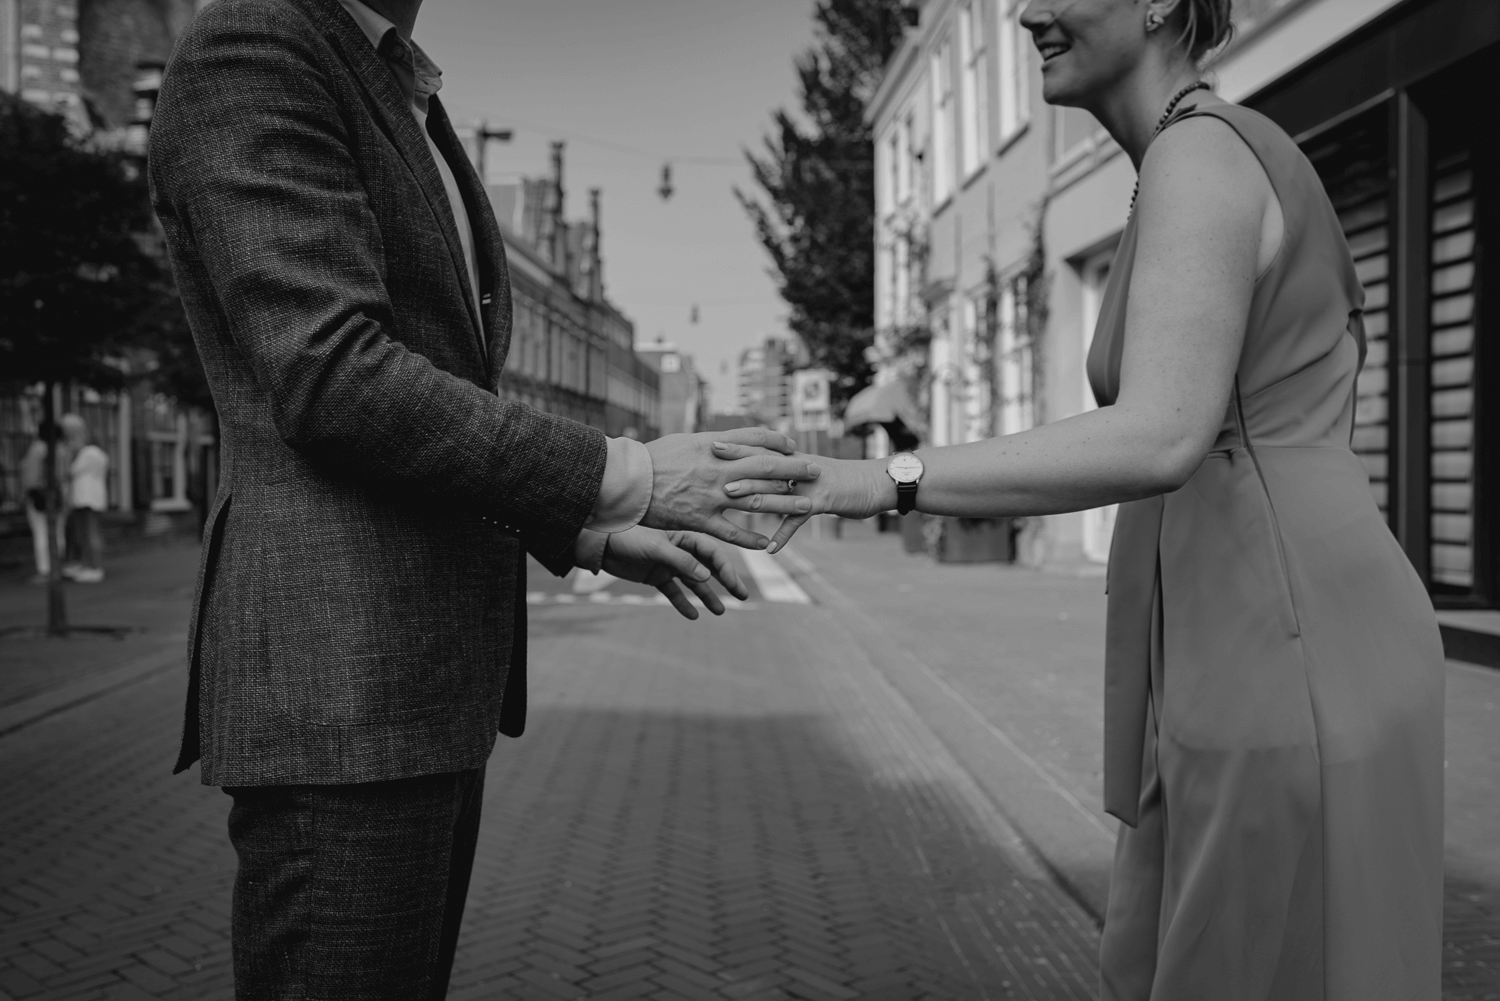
906, 469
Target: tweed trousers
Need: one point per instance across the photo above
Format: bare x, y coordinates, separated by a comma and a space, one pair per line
352, 892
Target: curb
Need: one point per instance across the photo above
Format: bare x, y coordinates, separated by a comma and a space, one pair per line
19, 715
1042, 810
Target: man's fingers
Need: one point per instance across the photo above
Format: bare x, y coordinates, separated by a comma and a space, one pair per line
705, 593
762, 437
719, 562
680, 562
729, 450
680, 601
773, 467
787, 529
772, 504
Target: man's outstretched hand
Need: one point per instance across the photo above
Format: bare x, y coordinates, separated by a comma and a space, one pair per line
669, 560
690, 471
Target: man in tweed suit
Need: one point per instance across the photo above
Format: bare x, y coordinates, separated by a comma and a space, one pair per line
359, 631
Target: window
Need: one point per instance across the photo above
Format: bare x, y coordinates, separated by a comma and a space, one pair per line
1073, 132
902, 280
1017, 410
166, 441
975, 107
903, 159
892, 172
942, 122
1013, 57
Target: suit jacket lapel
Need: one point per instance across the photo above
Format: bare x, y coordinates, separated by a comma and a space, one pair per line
489, 247
396, 120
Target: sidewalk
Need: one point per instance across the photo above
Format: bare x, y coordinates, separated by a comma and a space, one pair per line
1005, 663
145, 596
738, 808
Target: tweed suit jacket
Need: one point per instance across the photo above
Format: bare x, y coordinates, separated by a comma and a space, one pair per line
360, 608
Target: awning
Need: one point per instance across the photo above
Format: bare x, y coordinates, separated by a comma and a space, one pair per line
885, 403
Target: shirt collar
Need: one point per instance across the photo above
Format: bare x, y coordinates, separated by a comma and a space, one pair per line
415, 71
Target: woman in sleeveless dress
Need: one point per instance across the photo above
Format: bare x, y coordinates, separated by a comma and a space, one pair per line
1273, 674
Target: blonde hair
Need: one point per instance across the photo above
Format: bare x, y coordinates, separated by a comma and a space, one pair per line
1206, 25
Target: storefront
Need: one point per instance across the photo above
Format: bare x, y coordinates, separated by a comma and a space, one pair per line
1395, 118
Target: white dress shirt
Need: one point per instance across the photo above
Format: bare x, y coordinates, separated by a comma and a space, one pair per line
625, 492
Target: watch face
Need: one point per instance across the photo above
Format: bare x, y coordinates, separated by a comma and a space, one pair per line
905, 468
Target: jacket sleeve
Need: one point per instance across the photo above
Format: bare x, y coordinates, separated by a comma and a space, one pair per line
251, 159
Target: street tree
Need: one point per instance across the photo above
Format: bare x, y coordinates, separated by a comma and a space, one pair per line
76, 273
815, 213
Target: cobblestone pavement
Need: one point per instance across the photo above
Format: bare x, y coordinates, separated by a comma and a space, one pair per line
741, 808
883, 788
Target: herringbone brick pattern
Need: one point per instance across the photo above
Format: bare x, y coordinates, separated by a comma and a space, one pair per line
735, 809
775, 826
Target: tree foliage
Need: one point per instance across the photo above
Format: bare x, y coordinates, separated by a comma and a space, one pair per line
816, 218
84, 283
75, 274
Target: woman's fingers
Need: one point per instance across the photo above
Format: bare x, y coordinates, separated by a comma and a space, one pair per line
772, 467
739, 488
772, 504
788, 528
679, 600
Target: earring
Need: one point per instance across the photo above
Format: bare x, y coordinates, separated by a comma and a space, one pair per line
1153, 20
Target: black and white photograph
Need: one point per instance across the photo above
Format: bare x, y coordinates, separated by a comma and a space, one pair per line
749, 500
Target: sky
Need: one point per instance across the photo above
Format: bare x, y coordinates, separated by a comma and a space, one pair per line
670, 79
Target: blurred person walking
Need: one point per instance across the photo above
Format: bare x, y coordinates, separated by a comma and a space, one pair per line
34, 492
88, 497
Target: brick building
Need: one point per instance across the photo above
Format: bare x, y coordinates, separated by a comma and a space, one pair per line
572, 352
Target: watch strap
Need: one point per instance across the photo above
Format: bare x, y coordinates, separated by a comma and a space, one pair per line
906, 498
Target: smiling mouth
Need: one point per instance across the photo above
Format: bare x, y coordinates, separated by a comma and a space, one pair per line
1051, 50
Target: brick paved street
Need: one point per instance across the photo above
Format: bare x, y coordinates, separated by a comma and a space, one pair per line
889, 791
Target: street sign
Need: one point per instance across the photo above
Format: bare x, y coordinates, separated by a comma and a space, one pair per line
810, 400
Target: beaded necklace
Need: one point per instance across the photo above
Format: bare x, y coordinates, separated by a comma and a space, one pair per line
1161, 123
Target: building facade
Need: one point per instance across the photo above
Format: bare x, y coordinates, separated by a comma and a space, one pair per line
997, 219
763, 381
684, 393
572, 351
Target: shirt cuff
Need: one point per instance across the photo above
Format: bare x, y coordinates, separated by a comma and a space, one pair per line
588, 550
625, 493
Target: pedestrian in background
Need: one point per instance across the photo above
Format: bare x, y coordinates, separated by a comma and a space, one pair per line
34, 492
88, 496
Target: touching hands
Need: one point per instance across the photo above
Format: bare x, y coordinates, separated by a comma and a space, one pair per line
669, 560
850, 488
690, 472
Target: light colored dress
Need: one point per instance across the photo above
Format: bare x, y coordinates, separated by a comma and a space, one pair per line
1274, 674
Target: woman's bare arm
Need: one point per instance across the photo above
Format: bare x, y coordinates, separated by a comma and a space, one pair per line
1203, 204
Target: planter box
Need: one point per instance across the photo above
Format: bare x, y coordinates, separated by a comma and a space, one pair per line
976, 540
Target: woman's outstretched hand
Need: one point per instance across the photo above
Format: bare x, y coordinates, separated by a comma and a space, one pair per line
850, 488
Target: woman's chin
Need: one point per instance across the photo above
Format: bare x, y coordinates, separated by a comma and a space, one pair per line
1058, 90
